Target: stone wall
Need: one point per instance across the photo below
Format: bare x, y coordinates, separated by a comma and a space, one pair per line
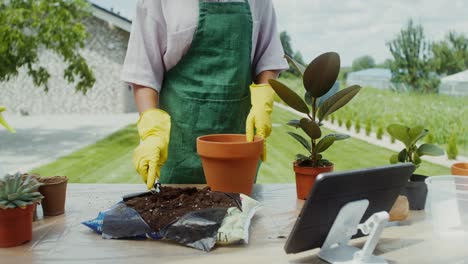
104, 52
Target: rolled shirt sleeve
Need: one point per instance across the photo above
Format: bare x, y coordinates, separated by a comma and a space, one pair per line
269, 53
143, 63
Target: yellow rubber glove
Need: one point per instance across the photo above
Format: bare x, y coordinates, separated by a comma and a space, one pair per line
259, 118
3, 121
154, 127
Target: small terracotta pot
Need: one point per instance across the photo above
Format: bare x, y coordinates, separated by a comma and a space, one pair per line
54, 197
460, 168
229, 162
16, 226
305, 179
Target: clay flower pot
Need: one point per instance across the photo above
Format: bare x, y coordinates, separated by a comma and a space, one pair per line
460, 168
54, 190
229, 162
305, 178
16, 226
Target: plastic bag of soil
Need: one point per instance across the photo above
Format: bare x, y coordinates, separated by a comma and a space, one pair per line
192, 217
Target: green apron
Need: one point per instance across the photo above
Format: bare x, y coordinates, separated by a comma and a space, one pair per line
207, 92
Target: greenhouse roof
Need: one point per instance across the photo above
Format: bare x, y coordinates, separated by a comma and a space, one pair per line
375, 72
461, 76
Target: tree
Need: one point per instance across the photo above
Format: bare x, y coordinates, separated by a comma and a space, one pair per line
411, 59
451, 54
286, 42
27, 27
363, 62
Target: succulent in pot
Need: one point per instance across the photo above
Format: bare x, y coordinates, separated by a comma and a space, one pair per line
416, 189
18, 198
320, 100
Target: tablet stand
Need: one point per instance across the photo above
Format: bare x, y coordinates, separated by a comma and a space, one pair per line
336, 249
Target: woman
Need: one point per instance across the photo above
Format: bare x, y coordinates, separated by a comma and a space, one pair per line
199, 67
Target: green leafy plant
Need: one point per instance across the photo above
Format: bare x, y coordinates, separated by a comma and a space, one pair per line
348, 123
380, 132
3, 121
357, 126
318, 78
332, 119
452, 149
340, 121
409, 137
18, 191
368, 127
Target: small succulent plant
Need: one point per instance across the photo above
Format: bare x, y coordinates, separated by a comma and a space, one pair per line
18, 191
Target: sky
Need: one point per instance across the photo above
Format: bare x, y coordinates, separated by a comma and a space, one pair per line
352, 28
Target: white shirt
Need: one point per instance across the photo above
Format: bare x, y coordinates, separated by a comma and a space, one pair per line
162, 33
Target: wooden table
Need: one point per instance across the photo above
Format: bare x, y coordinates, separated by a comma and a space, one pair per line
63, 239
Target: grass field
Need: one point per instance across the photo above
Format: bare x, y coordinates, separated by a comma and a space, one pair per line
109, 160
443, 115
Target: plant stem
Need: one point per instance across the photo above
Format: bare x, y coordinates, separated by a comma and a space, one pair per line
314, 111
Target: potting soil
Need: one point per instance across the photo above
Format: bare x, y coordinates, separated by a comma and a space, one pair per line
170, 204
191, 217
52, 180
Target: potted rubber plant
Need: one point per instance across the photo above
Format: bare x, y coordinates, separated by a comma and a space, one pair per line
319, 102
416, 189
18, 197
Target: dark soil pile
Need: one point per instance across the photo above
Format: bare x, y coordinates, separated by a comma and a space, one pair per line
170, 204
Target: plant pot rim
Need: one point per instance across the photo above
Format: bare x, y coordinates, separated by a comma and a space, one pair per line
210, 139
459, 165
52, 183
295, 165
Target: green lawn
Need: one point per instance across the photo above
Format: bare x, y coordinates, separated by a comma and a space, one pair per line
443, 115
109, 160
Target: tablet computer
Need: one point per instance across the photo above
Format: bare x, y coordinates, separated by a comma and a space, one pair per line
332, 191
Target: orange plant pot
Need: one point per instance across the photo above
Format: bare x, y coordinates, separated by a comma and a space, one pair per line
16, 226
305, 179
460, 168
229, 162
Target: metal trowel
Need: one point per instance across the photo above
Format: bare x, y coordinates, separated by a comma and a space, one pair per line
155, 189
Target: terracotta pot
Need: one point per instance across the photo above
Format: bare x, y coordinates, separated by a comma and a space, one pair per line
460, 168
229, 162
305, 179
16, 226
54, 197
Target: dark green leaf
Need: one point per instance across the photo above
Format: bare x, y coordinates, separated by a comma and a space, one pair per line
400, 132
339, 136
321, 74
403, 155
430, 150
300, 157
416, 159
301, 140
325, 143
310, 128
337, 101
295, 123
333, 90
394, 159
288, 96
299, 67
